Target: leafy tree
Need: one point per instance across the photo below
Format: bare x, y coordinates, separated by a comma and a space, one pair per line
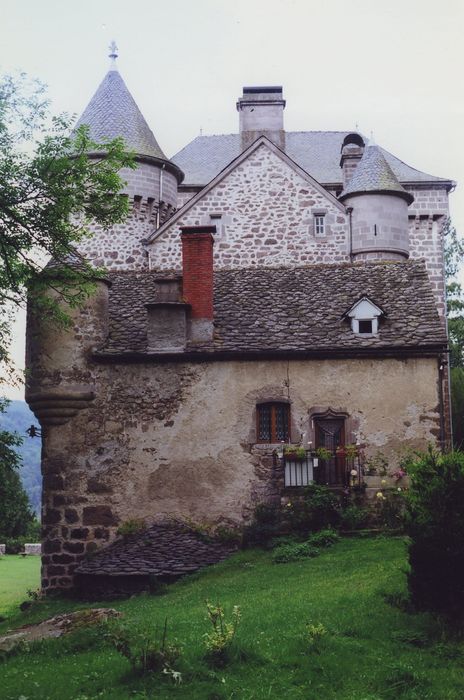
16, 516
50, 191
435, 524
454, 256
457, 406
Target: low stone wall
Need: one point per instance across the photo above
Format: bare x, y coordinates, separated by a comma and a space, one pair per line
2, 549
33, 548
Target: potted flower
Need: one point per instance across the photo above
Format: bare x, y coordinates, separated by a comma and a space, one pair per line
294, 453
323, 453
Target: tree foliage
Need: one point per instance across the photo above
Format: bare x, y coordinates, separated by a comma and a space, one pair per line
50, 192
16, 516
454, 256
435, 524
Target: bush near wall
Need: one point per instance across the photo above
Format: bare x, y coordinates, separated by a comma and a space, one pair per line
435, 523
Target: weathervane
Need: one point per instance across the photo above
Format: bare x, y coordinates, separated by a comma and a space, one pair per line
113, 53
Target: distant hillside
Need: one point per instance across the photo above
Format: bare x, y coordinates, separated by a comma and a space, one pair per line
18, 418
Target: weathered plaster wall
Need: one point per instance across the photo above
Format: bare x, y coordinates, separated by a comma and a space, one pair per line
267, 219
177, 439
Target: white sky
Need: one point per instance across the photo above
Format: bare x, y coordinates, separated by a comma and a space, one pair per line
393, 67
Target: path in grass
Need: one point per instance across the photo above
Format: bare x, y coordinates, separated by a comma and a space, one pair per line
372, 650
17, 575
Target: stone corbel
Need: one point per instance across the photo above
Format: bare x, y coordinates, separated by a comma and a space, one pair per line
56, 406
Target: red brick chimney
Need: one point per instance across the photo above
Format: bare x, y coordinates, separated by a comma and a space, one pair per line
197, 279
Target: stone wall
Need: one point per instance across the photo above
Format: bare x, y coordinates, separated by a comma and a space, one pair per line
267, 219
427, 215
120, 247
179, 440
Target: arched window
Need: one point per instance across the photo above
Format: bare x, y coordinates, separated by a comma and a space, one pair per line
272, 422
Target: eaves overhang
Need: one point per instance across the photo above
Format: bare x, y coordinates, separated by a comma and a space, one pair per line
202, 355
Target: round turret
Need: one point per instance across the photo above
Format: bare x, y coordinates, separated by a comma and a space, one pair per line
379, 204
152, 186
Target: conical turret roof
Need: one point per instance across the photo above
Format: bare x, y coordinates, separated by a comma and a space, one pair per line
113, 112
374, 175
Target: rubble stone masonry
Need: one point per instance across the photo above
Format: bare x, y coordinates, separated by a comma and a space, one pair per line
267, 218
149, 454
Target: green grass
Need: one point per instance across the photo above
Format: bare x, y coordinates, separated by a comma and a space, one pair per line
373, 650
17, 575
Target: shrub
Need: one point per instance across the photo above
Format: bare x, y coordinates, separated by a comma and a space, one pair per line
292, 552
319, 508
391, 509
145, 652
265, 526
323, 538
354, 517
131, 527
435, 523
228, 535
15, 545
314, 635
219, 640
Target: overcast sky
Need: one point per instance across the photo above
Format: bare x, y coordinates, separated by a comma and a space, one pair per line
394, 68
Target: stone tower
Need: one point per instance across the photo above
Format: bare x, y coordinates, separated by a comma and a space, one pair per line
152, 186
379, 203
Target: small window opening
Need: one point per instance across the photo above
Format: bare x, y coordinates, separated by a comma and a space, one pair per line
218, 221
365, 327
273, 422
319, 224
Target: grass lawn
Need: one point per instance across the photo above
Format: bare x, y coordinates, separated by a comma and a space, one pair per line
373, 650
17, 575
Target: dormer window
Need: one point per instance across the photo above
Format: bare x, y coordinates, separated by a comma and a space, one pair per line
364, 317
365, 327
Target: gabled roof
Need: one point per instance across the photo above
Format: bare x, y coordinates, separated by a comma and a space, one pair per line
317, 152
373, 174
261, 141
113, 112
260, 311
365, 301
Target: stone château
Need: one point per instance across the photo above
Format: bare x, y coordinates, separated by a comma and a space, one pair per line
267, 287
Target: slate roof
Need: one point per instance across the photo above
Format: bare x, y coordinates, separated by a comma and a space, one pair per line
317, 152
373, 174
113, 112
160, 550
297, 310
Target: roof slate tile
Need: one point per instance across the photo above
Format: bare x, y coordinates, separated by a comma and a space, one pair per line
283, 309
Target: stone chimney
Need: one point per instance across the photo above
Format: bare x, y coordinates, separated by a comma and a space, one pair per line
351, 153
261, 112
197, 279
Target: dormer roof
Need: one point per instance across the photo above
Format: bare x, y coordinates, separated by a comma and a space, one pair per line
374, 175
113, 112
364, 308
